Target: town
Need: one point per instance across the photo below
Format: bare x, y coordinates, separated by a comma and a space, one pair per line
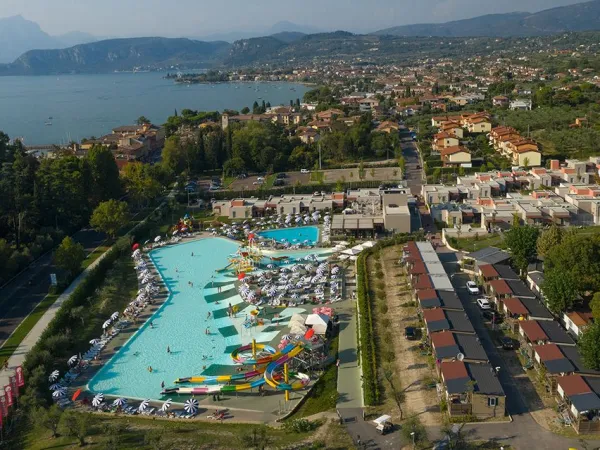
406, 256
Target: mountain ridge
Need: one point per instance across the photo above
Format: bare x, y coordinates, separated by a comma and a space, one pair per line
576, 17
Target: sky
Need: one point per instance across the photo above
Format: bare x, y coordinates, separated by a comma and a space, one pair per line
173, 18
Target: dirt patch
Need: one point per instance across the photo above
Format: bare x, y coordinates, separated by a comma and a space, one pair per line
413, 369
387, 174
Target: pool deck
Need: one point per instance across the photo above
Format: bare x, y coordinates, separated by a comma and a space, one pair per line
245, 406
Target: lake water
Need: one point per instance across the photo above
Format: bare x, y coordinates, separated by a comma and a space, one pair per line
91, 105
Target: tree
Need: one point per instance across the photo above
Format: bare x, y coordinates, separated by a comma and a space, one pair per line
437, 174
413, 425
140, 183
48, 418
79, 312
372, 172
104, 173
143, 119
362, 172
245, 110
77, 425
560, 290
526, 163
595, 306
549, 239
521, 239
588, 346
69, 255
110, 216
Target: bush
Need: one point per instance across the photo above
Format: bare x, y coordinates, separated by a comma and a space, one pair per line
301, 425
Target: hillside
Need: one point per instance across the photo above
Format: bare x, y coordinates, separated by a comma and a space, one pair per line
578, 17
18, 35
118, 54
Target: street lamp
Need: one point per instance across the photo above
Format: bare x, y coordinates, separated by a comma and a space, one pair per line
412, 434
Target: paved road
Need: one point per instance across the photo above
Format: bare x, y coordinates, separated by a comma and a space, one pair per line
19, 298
414, 176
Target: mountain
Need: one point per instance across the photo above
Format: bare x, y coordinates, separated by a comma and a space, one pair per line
276, 29
119, 55
288, 36
18, 35
578, 17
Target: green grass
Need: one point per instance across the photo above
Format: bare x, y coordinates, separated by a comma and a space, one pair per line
323, 396
174, 434
269, 179
317, 177
93, 256
11, 344
472, 245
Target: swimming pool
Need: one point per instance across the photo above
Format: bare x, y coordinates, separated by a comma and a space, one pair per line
180, 324
294, 234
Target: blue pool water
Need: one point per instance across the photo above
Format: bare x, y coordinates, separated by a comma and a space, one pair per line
291, 235
180, 323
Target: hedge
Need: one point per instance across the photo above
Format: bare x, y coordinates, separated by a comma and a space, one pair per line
366, 343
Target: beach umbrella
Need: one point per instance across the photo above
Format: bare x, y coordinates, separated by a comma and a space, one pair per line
54, 376
144, 405
106, 324
120, 402
191, 406
56, 386
166, 405
59, 393
270, 266
157, 239
146, 241
76, 394
295, 296
135, 246
97, 400
72, 360
95, 341
115, 315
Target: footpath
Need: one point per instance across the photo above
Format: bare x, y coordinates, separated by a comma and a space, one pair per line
18, 357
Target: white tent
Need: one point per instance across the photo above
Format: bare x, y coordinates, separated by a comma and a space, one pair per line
368, 244
352, 251
318, 322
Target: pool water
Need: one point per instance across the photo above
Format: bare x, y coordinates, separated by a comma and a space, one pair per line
180, 324
291, 235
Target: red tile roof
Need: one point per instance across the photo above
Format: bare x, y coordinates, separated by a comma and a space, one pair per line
501, 287
573, 385
434, 315
548, 352
452, 370
488, 271
442, 339
515, 306
418, 268
427, 294
423, 282
533, 331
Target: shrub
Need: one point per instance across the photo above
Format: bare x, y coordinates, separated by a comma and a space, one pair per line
301, 425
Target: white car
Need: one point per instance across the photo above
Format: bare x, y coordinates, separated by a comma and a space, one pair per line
260, 179
484, 303
472, 288
304, 171
258, 183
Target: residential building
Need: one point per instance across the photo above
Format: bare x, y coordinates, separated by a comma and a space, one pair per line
455, 156
521, 104
472, 389
500, 101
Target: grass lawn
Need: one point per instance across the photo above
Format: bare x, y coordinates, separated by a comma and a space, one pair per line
472, 245
269, 179
132, 433
323, 396
317, 176
93, 256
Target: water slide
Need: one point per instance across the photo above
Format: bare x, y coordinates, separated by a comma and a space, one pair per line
214, 384
225, 269
289, 352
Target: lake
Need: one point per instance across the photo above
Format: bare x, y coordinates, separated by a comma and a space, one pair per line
91, 105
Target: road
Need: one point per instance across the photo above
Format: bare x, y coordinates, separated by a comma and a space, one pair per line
19, 298
414, 175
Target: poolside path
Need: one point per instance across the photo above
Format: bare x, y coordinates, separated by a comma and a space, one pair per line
18, 357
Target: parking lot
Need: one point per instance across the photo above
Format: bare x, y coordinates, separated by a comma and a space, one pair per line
385, 174
247, 184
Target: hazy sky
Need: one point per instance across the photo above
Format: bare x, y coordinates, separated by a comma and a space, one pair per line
199, 17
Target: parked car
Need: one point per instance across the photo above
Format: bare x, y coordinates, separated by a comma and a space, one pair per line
472, 288
279, 182
492, 316
383, 424
242, 176
410, 333
281, 175
304, 171
260, 179
507, 343
258, 183
484, 303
